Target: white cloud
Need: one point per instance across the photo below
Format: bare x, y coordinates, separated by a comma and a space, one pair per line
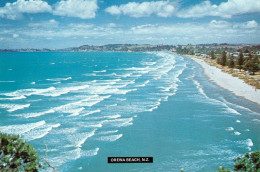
144, 9
224, 9
218, 31
16, 9
46, 24
84, 9
250, 24
218, 24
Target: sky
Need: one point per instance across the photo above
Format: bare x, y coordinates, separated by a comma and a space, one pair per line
71, 23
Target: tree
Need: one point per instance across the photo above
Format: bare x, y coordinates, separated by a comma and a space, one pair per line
246, 51
249, 162
247, 62
223, 59
231, 62
240, 60
252, 64
218, 60
17, 155
212, 54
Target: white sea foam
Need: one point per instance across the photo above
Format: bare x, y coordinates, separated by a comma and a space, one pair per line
39, 132
110, 138
148, 63
230, 110
137, 68
113, 105
59, 79
33, 115
144, 84
76, 107
101, 71
238, 106
93, 124
7, 81
256, 120
92, 152
229, 129
153, 108
121, 99
238, 121
105, 117
60, 131
126, 75
122, 122
76, 112
108, 132
250, 143
77, 139
33, 83
14, 98
14, 107
20, 128
29, 92
200, 88
90, 74
63, 90
91, 112
237, 133
75, 154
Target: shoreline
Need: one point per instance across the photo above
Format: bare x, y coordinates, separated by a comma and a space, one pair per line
228, 82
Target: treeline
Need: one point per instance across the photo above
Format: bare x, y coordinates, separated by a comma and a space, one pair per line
250, 63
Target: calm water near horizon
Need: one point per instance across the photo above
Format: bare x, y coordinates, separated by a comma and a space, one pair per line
87, 106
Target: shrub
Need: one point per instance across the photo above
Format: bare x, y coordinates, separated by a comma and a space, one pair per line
17, 155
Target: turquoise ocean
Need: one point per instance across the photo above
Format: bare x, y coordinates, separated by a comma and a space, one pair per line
83, 107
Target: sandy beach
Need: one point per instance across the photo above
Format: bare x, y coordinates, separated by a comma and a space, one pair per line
227, 81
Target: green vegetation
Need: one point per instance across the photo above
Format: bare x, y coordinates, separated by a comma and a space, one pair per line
212, 55
231, 62
17, 155
251, 64
223, 58
240, 60
250, 162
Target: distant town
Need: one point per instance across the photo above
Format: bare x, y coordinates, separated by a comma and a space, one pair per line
199, 50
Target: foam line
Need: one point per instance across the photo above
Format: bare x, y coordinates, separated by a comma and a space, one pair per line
21, 128
77, 139
29, 92
7, 81
39, 132
65, 90
122, 122
59, 79
91, 112
14, 107
110, 138
33, 115
108, 132
14, 98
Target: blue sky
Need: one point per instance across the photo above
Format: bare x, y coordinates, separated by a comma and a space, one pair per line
71, 23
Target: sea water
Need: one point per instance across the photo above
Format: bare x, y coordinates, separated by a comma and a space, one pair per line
80, 108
